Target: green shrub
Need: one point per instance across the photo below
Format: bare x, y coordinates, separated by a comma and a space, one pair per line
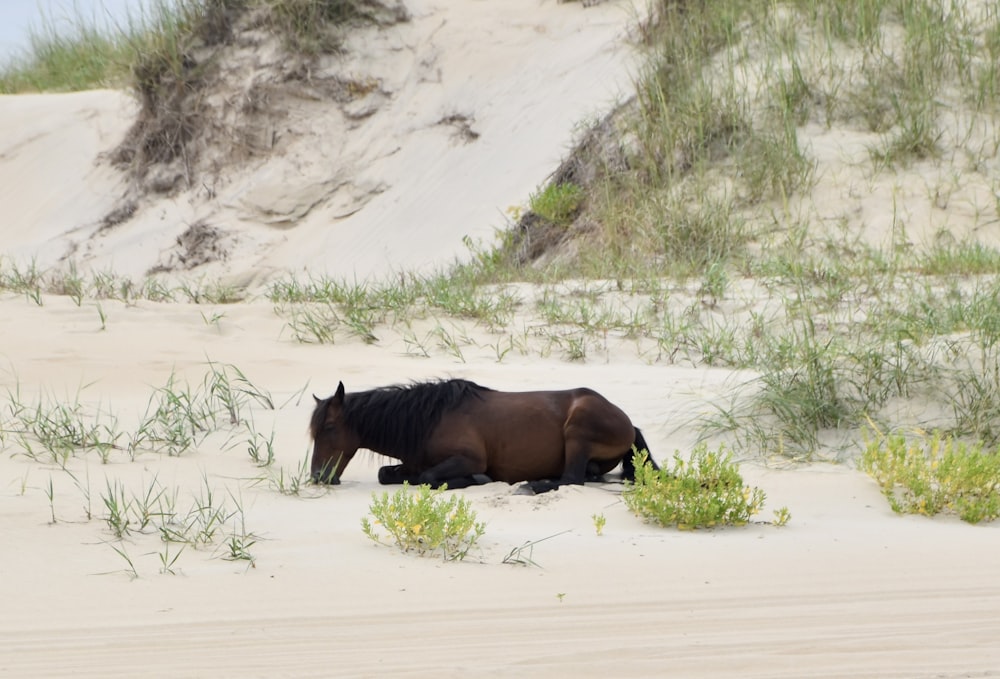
420, 520
935, 474
557, 203
702, 492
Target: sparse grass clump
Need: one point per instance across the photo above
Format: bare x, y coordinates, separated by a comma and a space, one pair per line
420, 520
929, 474
176, 420
155, 510
704, 491
86, 56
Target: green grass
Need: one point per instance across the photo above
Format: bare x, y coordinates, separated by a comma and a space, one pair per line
205, 521
178, 417
93, 52
557, 203
148, 48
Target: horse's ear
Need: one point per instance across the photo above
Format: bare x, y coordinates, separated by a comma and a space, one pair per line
339, 396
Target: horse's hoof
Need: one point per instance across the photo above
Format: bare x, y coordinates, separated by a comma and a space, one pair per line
543, 486
481, 479
390, 475
524, 489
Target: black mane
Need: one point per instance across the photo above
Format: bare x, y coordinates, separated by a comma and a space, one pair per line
398, 419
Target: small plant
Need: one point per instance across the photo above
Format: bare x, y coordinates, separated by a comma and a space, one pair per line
119, 508
599, 522
421, 520
120, 551
50, 493
240, 541
703, 492
288, 482
260, 448
517, 555
933, 474
558, 203
167, 560
239, 545
214, 319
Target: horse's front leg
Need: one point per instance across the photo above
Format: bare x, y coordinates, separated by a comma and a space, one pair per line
394, 474
458, 471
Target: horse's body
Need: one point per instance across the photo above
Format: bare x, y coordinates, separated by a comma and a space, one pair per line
459, 433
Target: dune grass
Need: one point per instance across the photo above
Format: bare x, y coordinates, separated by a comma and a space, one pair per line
78, 52
68, 433
154, 43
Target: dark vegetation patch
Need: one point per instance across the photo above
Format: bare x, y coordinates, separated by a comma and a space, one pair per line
198, 110
596, 157
200, 244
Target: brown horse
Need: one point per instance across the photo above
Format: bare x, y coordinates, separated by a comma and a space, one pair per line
458, 433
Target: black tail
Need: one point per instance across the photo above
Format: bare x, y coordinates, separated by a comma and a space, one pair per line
628, 463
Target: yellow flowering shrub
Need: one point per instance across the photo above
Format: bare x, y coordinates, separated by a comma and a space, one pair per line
422, 521
702, 492
931, 474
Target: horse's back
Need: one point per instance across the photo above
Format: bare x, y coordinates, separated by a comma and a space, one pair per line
527, 435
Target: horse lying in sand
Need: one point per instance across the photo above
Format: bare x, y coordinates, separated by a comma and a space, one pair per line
459, 433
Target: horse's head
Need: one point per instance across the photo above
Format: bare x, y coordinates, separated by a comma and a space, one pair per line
334, 442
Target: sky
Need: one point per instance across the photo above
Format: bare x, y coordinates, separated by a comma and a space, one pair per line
18, 16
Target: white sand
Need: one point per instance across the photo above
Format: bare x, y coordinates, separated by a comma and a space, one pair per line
847, 589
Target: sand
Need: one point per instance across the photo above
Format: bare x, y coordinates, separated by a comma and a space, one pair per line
846, 589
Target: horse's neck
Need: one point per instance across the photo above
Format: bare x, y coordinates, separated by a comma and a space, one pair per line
368, 430
376, 448
368, 440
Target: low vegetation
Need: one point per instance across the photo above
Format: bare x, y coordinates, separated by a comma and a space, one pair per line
929, 474
705, 490
155, 43
559, 204
69, 433
424, 521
